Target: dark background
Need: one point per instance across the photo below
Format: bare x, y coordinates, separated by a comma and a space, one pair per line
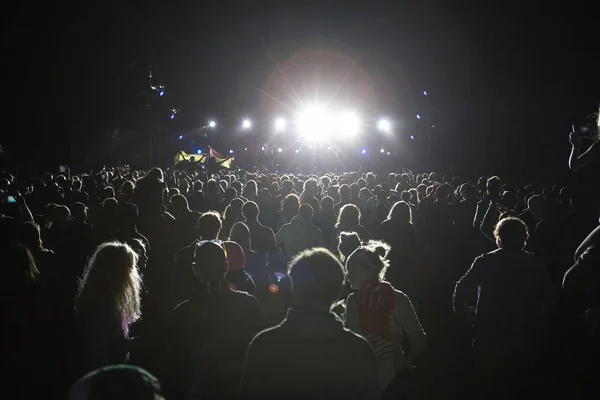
506, 79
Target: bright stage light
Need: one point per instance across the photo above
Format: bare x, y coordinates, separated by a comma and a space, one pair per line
279, 150
315, 123
382, 151
246, 124
384, 125
180, 137
418, 116
212, 124
230, 151
297, 151
388, 153
364, 151
412, 137
161, 93
280, 124
245, 149
263, 148
199, 151
172, 116
424, 92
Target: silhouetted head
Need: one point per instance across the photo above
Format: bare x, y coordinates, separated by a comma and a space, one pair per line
511, 234
250, 211
209, 225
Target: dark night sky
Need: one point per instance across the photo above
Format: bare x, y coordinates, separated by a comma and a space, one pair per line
517, 75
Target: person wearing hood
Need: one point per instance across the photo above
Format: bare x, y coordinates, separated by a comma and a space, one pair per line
237, 277
300, 234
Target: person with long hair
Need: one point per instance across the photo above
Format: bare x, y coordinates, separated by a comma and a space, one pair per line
107, 304
232, 214
380, 313
250, 191
349, 221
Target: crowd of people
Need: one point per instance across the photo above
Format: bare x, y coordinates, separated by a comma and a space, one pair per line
140, 284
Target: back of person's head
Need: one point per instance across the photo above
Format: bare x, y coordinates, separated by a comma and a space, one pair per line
250, 211
198, 186
116, 382
236, 259
493, 186
209, 225
310, 187
400, 212
511, 234
305, 212
231, 192
327, 204
79, 211
111, 279
537, 205
240, 234
369, 260
443, 192
127, 189
348, 242
290, 205
317, 278
345, 191
250, 190
349, 216
210, 262
405, 196
468, 192
179, 204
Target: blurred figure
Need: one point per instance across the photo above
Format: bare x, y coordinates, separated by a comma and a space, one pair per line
263, 239
237, 276
349, 221
300, 234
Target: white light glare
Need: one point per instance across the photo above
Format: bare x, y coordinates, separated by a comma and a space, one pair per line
384, 125
349, 123
280, 124
279, 150
246, 124
382, 151
364, 151
424, 92
418, 116
315, 123
230, 151
212, 124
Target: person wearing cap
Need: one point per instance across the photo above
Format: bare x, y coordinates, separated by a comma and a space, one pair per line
310, 354
237, 277
212, 328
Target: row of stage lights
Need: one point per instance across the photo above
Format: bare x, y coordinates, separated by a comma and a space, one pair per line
280, 150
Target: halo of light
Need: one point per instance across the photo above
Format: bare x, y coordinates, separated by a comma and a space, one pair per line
382, 151
273, 288
279, 150
424, 92
263, 148
161, 93
245, 149
388, 153
246, 124
212, 124
384, 125
348, 123
418, 116
297, 151
364, 151
280, 124
230, 151
180, 137
199, 151
412, 137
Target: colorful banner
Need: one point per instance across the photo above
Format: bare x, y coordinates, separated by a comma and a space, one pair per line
220, 161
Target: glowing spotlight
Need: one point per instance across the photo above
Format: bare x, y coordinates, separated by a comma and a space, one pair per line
199, 151
279, 150
349, 123
297, 151
382, 151
364, 151
315, 123
388, 153
246, 124
273, 288
280, 124
412, 137
161, 93
245, 149
424, 92
418, 116
384, 125
230, 151
180, 137
263, 148
329, 148
172, 116
212, 124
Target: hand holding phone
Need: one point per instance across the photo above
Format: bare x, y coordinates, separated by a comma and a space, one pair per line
11, 199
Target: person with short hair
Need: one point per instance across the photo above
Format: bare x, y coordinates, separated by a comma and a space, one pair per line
514, 293
295, 359
213, 327
299, 234
263, 239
